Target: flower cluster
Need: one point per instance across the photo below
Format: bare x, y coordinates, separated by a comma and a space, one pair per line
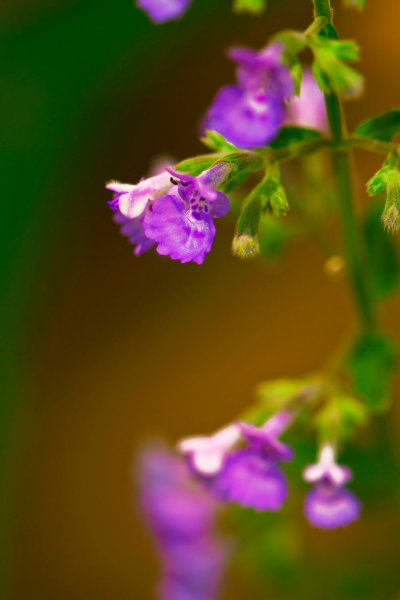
252, 477
173, 210
181, 516
250, 113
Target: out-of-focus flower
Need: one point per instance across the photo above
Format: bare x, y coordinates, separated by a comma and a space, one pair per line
181, 222
330, 505
207, 453
160, 11
250, 113
181, 515
308, 109
251, 476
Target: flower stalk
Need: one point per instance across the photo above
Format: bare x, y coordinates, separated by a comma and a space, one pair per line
352, 238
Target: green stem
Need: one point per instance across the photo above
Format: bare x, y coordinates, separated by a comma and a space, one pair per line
352, 238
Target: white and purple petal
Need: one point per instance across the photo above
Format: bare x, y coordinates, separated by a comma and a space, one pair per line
133, 200
207, 453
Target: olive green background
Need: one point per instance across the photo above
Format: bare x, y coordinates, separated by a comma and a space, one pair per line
103, 350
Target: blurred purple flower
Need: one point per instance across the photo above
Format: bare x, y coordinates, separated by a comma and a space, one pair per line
251, 113
181, 222
160, 11
251, 476
181, 515
329, 505
308, 109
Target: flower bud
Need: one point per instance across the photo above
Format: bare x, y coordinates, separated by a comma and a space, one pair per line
245, 246
387, 180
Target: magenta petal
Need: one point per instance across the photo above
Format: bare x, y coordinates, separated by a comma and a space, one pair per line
242, 120
179, 232
266, 442
329, 507
252, 481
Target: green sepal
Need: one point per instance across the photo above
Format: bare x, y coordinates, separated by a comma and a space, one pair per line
198, 164
286, 393
382, 257
383, 127
293, 42
339, 416
249, 218
371, 364
250, 6
216, 141
291, 134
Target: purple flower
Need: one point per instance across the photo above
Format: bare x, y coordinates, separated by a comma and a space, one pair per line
207, 453
177, 508
161, 11
181, 222
181, 515
251, 113
308, 109
262, 73
329, 505
242, 119
249, 478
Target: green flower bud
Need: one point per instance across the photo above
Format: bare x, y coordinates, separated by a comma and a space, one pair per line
391, 212
330, 70
387, 180
245, 246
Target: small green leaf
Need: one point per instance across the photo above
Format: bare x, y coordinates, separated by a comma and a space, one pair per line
381, 255
253, 7
291, 134
198, 164
383, 127
371, 364
216, 141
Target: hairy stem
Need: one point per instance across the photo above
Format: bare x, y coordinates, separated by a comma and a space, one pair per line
352, 237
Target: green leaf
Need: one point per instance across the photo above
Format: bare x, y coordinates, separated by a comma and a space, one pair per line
357, 4
282, 393
382, 256
291, 134
250, 6
383, 127
216, 141
339, 416
371, 364
198, 164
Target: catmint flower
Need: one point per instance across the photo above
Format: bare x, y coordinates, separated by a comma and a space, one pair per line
308, 109
181, 222
207, 453
329, 504
250, 114
251, 476
160, 11
181, 516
